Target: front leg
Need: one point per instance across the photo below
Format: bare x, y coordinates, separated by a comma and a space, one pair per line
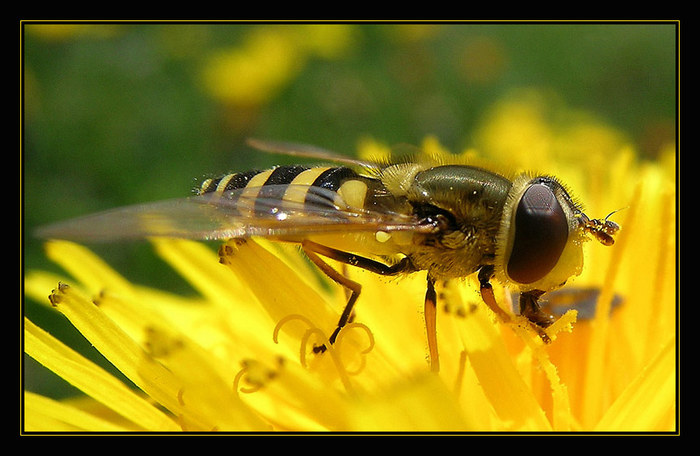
529, 305
530, 308
485, 275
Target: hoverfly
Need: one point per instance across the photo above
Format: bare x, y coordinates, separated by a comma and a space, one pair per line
451, 220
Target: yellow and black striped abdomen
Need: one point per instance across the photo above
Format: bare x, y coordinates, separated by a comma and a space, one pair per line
274, 184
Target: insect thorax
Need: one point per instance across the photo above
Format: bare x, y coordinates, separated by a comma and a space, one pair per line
469, 202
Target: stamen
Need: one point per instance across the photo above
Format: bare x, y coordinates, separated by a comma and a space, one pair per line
229, 249
261, 375
56, 295
331, 348
180, 393
452, 301
342, 372
160, 344
287, 319
460, 372
312, 329
305, 340
97, 300
181, 422
237, 381
370, 345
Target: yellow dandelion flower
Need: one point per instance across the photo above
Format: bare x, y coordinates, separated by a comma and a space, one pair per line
254, 72
240, 356
65, 31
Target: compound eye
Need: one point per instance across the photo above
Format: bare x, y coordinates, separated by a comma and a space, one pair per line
541, 233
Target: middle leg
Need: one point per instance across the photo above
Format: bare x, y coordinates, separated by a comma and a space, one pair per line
313, 250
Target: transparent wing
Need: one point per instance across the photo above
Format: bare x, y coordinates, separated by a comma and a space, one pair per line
308, 151
272, 211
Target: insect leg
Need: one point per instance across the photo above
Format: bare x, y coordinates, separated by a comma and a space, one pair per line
529, 306
485, 275
431, 324
340, 279
313, 249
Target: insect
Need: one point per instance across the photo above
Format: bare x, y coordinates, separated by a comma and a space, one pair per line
451, 220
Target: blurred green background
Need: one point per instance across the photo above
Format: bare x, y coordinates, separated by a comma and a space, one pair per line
121, 113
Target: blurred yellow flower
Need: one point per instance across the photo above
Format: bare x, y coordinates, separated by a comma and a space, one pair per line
253, 72
58, 31
239, 357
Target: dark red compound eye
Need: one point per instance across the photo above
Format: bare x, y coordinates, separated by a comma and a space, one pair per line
541, 233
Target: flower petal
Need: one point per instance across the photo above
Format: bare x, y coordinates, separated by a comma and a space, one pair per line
498, 375
647, 402
89, 269
415, 404
93, 380
278, 288
43, 414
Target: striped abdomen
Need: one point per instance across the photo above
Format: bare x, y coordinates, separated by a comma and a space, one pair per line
273, 183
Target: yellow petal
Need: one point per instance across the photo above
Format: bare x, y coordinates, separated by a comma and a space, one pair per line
278, 288
92, 380
289, 397
192, 405
510, 396
43, 414
646, 403
86, 267
418, 404
199, 265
